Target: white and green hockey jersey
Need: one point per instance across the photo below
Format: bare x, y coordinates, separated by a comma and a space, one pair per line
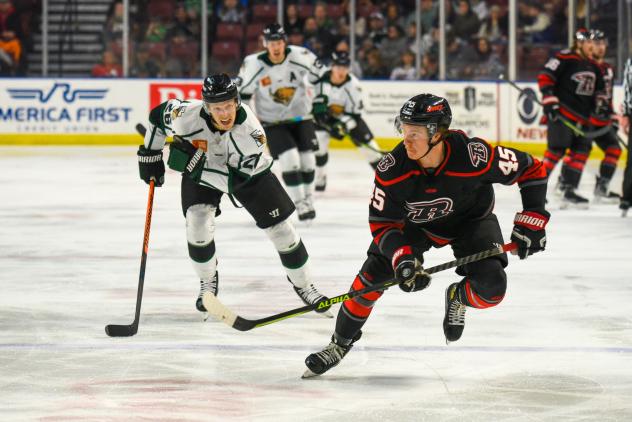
344, 101
239, 151
280, 91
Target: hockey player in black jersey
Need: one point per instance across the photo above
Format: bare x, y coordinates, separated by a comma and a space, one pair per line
572, 89
435, 189
607, 142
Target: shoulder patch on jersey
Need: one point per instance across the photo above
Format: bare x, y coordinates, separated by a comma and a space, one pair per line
259, 137
386, 163
478, 153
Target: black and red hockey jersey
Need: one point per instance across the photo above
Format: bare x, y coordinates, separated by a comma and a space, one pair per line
607, 73
409, 200
576, 81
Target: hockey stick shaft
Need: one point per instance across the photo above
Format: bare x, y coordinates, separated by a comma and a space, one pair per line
222, 313
113, 330
565, 121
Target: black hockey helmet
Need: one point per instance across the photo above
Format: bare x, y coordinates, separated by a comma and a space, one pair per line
427, 110
583, 34
598, 35
274, 32
340, 58
218, 88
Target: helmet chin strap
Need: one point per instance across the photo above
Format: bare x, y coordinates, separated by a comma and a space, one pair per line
431, 146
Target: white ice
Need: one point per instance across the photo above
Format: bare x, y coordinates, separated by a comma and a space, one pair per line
558, 348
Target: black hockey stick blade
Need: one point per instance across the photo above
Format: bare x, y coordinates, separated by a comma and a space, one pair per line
222, 313
114, 330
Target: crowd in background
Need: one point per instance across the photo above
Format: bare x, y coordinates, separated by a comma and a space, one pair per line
165, 35
17, 21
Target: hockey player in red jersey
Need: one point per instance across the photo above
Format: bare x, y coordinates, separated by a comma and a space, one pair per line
435, 189
607, 142
572, 89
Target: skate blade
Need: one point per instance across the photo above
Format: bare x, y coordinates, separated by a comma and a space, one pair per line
624, 213
308, 374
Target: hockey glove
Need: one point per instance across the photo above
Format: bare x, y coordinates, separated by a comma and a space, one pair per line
187, 159
529, 233
337, 130
150, 165
551, 106
409, 271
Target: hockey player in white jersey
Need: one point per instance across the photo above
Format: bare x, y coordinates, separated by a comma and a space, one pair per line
219, 147
278, 80
337, 109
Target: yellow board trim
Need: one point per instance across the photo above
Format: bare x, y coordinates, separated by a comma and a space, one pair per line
38, 139
61, 139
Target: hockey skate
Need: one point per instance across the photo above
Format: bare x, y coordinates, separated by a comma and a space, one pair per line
454, 319
573, 200
321, 184
320, 362
602, 195
211, 286
624, 206
305, 210
309, 295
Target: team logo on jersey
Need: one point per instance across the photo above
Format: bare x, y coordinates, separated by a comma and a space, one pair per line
284, 95
386, 163
585, 83
178, 112
258, 136
424, 212
336, 109
478, 153
266, 81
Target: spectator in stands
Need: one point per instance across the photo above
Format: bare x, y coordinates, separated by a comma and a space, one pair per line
488, 64
231, 11
182, 25
494, 28
144, 65
465, 23
108, 68
10, 53
429, 15
393, 45
457, 56
295, 37
156, 30
312, 37
9, 18
374, 68
538, 22
377, 31
113, 28
323, 21
406, 70
292, 21
393, 16
429, 67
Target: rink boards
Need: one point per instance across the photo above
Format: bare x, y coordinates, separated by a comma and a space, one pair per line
44, 111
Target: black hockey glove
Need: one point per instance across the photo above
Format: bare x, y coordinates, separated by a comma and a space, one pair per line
409, 271
529, 233
150, 165
187, 159
551, 106
337, 129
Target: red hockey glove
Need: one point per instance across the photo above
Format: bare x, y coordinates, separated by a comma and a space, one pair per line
529, 233
409, 271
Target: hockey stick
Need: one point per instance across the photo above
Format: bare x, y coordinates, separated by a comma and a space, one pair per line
217, 309
114, 330
565, 121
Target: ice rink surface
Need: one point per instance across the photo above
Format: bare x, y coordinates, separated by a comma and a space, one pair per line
558, 348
